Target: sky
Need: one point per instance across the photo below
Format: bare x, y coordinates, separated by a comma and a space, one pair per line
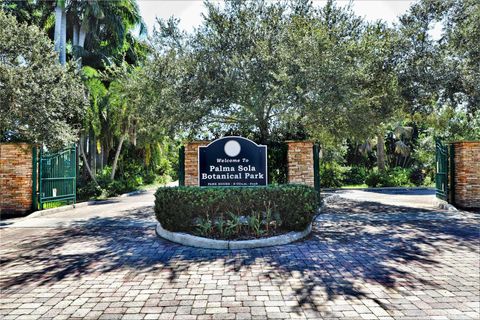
189, 11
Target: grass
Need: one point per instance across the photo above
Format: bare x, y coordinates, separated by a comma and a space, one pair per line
354, 186
56, 204
155, 185
143, 187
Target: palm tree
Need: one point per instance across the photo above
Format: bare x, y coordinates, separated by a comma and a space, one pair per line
102, 36
60, 37
101, 30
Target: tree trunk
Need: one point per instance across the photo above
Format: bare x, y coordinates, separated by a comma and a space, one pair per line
93, 150
117, 155
263, 128
380, 152
85, 163
83, 146
63, 38
75, 35
100, 157
105, 153
58, 28
82, 34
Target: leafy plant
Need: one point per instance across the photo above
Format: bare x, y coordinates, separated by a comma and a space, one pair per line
204, 226
331, 175
396, 177
220, 225
233, 224
377, 179
255, 224
355, 175
188, 209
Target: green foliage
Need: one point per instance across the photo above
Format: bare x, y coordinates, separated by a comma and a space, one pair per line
331, 175
396, 177
355, 175
439, 78
399, 177
269, 69
109, 29
417, 177
40, 101
87, 190
236, 211
38, 13
377, 179
277, 162
204, 226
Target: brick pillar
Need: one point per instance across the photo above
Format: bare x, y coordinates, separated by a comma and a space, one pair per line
191, 162
300, 162
467, 174
15, 177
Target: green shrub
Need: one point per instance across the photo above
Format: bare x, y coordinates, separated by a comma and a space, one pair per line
355, 175
377, 179
417, 177
236, 211
396, 177
331, 175
149, 177
87, 190
399, 177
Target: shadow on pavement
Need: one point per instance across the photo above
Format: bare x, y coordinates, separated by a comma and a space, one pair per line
353, 242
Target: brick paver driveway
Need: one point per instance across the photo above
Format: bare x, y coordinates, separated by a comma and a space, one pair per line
371, 256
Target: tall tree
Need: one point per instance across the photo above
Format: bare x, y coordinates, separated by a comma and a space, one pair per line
40, 101
102, 31
380, 93
439, 77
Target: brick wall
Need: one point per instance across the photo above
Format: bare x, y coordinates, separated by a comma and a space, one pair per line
467, 174
15, 177
300, 162
191, 162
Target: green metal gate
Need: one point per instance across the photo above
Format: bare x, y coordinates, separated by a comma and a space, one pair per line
441, 172
57, 178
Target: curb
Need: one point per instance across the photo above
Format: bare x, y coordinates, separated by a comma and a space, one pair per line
444, 205
205, 243
46, 212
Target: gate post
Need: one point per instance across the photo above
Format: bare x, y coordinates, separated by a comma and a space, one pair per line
73, 169
316, 167
40, 206
181, 166
441, 171
451, 178
34, 178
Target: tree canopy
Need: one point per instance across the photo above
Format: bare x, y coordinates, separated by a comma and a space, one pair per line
267, 70
289, 69
40, 100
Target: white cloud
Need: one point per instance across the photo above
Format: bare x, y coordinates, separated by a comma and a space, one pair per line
189, 12
381, 10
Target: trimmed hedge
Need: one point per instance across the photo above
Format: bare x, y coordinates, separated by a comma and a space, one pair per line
181, 208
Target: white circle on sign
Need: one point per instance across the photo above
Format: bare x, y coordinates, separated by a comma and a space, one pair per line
232, 148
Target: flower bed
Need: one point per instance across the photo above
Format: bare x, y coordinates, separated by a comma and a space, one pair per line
238, 212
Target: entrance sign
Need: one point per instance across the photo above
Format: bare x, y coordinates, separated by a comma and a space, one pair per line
232, 161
